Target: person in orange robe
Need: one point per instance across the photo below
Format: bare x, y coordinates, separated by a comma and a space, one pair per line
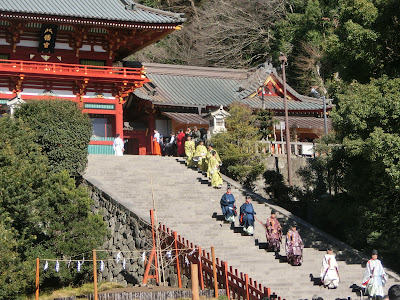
156, 143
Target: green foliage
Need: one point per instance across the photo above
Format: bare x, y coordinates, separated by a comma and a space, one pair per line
61, 130
264, 123
48, 215
368, 119
12, 270
238, 146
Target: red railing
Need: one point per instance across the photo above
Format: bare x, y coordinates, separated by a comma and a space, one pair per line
71, 70
236, 284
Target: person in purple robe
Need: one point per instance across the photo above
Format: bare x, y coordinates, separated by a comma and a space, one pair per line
294, 246
273, 233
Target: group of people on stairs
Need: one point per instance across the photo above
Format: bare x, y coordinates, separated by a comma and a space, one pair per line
205, 159
374, 278
294, 244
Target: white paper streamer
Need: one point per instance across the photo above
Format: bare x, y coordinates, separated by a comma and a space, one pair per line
143, 256
118, 256
69, 263
186, 260
123, 264
57, 266
191, 253
101, 266
78, 266
169, 254
46, 265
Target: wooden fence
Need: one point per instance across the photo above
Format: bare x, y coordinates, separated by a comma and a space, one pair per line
237, 285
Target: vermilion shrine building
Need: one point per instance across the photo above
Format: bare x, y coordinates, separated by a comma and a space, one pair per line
67, 49
74, 50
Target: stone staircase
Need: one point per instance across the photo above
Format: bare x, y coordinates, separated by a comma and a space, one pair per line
187, 204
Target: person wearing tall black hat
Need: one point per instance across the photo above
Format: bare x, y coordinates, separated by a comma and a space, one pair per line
247, 216
208, 158
294, 246
273, 233
200, 153
374, 277
228, 205
216, 178
329, 270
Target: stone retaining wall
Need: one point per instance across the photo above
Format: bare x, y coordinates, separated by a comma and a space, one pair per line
156, 295
127, 232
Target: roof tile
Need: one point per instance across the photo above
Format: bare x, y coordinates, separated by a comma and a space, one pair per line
92, 9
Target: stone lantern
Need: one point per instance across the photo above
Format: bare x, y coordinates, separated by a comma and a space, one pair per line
216, 121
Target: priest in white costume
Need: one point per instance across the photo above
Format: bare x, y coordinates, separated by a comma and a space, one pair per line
329, 270
374, 277
118, 146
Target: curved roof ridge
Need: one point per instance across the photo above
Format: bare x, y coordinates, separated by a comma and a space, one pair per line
194, 71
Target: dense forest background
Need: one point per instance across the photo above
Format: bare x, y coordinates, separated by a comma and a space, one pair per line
327, 42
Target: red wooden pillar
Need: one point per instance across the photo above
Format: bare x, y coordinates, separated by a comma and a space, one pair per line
201, 270
225, 264
119, 119
246, 276
178, 269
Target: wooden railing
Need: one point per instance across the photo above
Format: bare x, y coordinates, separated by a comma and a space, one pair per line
297, 148
237, 285
71, 70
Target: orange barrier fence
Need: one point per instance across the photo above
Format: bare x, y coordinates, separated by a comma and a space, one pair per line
237, 285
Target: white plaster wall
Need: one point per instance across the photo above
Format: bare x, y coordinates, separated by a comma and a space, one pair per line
3, 42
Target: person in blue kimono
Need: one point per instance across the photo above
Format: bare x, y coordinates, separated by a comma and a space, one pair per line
247, 216
228, 206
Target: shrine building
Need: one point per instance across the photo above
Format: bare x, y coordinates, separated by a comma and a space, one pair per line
75, 50
70, 49
185, 96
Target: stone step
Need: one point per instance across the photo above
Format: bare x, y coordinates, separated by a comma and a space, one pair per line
188, 205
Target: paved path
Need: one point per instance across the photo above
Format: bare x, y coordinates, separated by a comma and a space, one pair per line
188, 205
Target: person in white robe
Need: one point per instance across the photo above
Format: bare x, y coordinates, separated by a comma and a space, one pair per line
118, 146
329, 270
374, 277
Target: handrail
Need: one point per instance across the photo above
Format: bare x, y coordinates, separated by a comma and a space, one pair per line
297, 148
237, 284
26, 67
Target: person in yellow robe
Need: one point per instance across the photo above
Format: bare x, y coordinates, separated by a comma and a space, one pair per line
216, 179
201, 152
189, 151
208, 157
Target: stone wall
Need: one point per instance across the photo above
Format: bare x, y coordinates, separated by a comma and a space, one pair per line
278, 163
127, 232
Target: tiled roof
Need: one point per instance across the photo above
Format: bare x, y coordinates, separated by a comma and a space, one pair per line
277, 103
306, 122
199, 86
116, 10
185, 118
192, 90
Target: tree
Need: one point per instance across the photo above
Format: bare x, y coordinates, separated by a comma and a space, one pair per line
49, 216
238, 146
12, 271
62, 130
221, 33
367, 120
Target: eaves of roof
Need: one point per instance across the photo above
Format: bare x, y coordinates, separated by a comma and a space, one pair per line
113, 10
